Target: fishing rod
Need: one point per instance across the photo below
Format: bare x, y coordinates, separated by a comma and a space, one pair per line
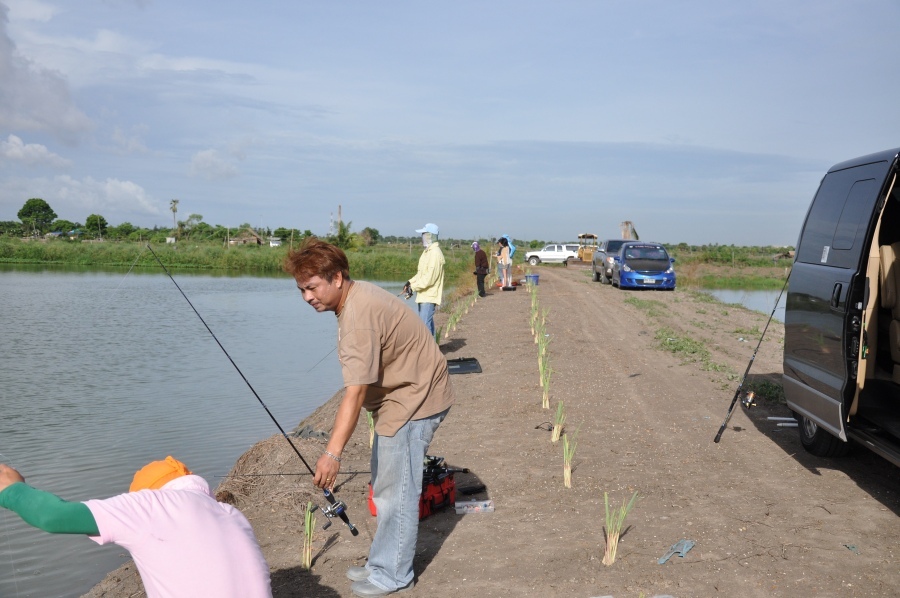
748, 401
335, 508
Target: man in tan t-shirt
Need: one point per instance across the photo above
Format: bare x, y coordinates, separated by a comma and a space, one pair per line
392, 367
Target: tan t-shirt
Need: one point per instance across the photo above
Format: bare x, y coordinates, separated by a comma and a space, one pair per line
382, 343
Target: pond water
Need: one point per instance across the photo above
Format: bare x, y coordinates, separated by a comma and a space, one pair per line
102, 372
762, 301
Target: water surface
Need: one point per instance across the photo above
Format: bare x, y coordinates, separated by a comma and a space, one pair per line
762, 301
102, 372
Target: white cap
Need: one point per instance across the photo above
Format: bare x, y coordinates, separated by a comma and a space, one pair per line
428, 228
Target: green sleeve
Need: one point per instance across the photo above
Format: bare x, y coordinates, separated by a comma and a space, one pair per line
47, 511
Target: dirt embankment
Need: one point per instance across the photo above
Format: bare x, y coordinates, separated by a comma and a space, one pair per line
646, 379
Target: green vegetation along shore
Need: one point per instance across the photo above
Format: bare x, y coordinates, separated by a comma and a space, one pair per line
380, 262
707, 266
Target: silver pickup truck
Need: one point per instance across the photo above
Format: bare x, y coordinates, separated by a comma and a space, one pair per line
602, 264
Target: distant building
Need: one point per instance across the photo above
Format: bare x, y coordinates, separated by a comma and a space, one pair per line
274, 242
248, 236
170, 240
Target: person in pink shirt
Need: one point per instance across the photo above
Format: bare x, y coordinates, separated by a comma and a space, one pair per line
183, 542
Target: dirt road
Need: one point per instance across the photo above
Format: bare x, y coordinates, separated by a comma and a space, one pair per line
646, 379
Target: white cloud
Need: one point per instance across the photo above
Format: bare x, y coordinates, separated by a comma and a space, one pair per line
212, 165
30, 154
31, 10
110, 195
74, 198
128, 144
33, 98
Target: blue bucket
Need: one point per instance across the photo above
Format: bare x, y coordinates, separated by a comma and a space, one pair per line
531, 279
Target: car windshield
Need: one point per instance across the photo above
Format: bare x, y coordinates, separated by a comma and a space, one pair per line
634, 252
614, 246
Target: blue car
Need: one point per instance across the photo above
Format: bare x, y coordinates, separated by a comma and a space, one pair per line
641, 265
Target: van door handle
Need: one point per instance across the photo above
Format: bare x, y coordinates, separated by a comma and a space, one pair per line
836, 295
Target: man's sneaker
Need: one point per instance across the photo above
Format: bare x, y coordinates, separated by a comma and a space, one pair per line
367, 588
357, 573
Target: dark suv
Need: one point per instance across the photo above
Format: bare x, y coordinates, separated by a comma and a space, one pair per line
842, 317
602, 263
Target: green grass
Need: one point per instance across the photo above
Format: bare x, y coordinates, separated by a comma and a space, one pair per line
754, 332
688, 349
702, 297
766, 390
650, 306
386, 263
747, 282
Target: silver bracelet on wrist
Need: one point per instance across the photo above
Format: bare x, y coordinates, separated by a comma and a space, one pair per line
333, 456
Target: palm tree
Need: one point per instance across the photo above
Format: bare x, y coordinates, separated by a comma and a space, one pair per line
173, 205
343, 238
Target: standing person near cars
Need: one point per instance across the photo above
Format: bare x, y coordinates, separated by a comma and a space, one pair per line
505, 262
428, 283
481, 267
183, 542
393, 368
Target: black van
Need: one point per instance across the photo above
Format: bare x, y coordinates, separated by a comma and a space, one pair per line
842, 317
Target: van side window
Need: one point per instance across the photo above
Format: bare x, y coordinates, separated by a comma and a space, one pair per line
852, 214
842, 206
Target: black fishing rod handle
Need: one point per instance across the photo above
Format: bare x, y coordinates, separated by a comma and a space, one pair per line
719, 435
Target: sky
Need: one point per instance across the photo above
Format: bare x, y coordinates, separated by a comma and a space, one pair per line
698, 121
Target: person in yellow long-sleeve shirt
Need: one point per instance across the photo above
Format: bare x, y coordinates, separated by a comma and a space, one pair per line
428, 283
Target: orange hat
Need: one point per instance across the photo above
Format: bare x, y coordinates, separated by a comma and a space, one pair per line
157, 474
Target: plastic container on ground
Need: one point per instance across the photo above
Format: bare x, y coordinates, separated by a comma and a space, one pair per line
474, 506
532, 279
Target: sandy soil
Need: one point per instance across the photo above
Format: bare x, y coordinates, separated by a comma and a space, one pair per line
767, 518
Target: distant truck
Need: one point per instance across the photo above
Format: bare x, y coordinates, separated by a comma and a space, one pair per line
604, 258
555, 253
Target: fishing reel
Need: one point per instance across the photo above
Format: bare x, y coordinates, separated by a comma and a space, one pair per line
336, 508
748, 399
407, 291
435, 469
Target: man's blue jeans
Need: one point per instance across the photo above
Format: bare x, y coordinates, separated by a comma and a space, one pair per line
397, 470
426, 312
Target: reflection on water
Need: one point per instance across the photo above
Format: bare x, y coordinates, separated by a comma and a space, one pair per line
762, 301
103, 372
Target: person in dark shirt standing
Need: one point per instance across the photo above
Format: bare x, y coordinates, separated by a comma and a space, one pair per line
481, 267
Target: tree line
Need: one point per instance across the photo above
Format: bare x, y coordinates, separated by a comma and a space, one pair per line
38, 219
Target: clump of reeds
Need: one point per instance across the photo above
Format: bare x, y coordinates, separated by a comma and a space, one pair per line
559, 421
371, 421
614, 522
543, 341
309, 529
568, 455
546, 371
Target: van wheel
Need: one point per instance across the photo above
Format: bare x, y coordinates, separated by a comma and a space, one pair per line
819, 442
534, 260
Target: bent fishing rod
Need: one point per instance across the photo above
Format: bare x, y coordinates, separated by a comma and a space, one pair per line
335, 508
748, 402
